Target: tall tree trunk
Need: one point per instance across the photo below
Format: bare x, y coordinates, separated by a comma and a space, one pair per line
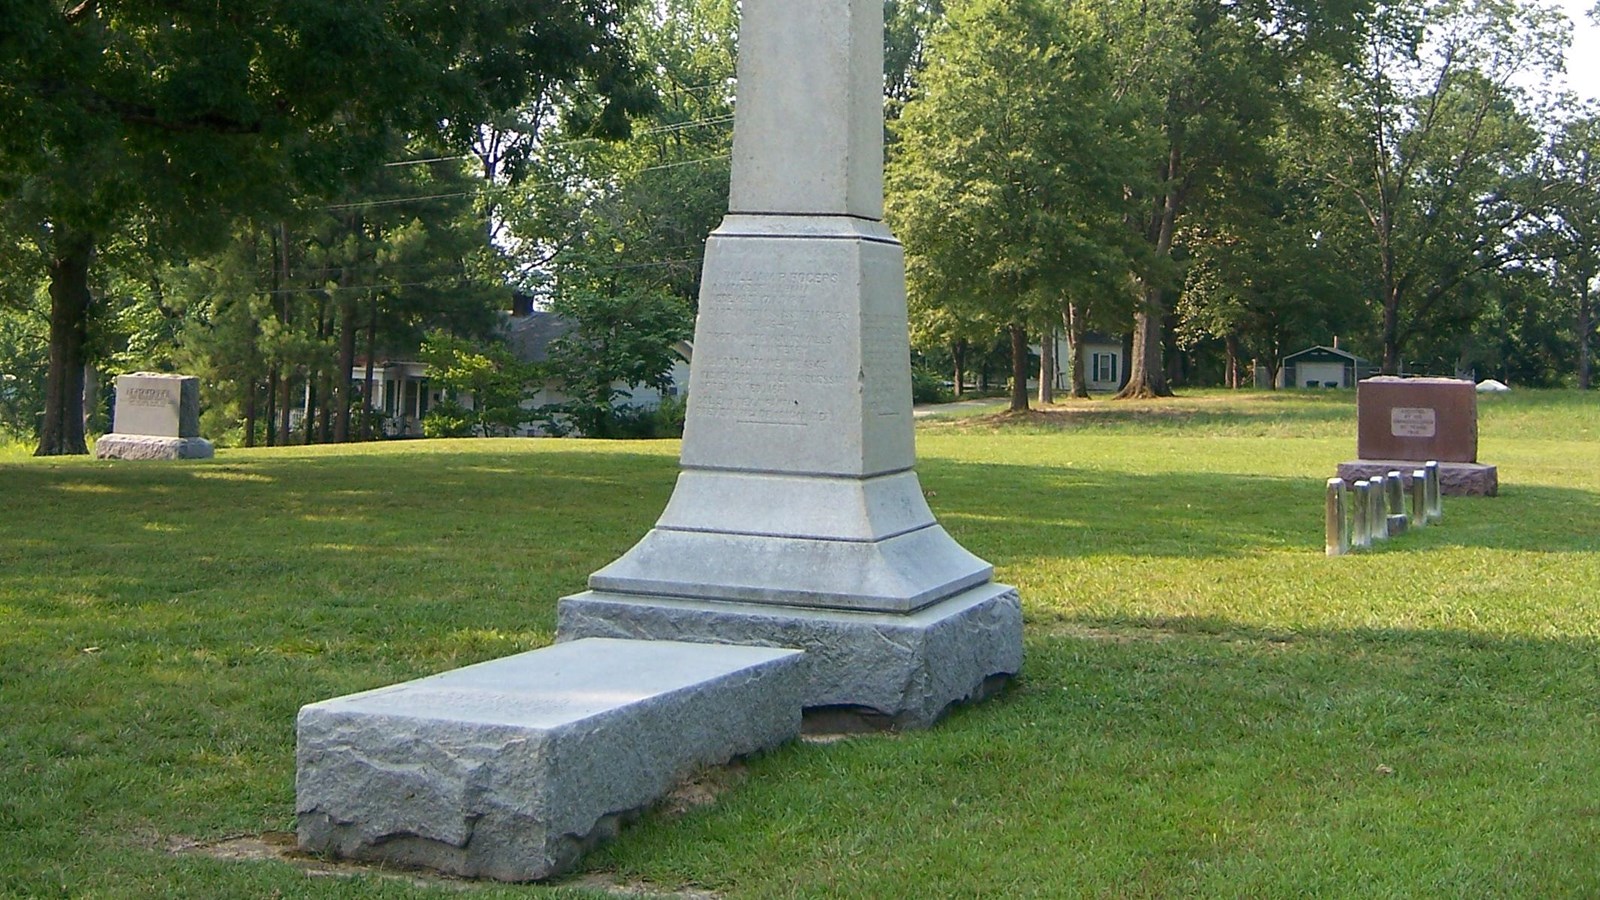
272, 406
1231, 342
285, 400
1146, 372
367, 411
1585, 325
61, 433
280, 285
91, 399
317, 405
347, 361
958, 357
1019, 369
1391, 330
308, 408
250, 412
1047, 367
1073, 320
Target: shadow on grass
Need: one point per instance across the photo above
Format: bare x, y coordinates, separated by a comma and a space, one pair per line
351, 517
1218, 412
164, 622
1017, 512
1190, 757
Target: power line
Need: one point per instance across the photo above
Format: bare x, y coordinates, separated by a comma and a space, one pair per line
660, 129
434, 159
499, 189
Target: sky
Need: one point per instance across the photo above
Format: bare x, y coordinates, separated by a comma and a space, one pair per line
1583, 58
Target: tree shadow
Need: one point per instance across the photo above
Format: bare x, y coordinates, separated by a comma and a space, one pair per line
1193, 757
1017, 512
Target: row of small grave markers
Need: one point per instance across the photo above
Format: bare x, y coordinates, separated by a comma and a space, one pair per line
1377, 510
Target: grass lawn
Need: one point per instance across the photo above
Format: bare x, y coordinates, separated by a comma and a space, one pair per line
1209, 705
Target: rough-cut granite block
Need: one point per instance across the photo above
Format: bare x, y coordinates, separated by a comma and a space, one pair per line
1455, 479
510, 769
909, 668
138, 446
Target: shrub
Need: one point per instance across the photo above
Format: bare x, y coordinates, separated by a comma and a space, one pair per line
448, 419
927, 387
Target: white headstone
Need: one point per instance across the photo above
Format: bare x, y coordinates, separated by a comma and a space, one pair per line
155, 417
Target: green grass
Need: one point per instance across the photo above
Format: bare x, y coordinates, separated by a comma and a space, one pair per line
1209, 705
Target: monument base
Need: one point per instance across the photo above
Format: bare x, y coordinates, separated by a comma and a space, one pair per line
906, 668
1456, 479
140, 446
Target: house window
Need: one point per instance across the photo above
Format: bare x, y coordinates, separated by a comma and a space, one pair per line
1104, 366
388, 396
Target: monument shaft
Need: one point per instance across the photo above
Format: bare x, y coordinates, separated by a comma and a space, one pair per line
808, 134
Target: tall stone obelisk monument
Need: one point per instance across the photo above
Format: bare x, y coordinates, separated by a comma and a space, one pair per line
798, 520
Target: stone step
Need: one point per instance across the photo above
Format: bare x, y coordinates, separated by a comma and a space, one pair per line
511, 769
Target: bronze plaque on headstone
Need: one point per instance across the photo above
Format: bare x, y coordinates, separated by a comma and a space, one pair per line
1417, 419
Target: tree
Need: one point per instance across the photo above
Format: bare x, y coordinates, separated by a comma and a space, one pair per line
182, 118
1003, 182
494, 379
626, 328
1572, 234
1427, 162
907, 25
1209, 79
1258, 279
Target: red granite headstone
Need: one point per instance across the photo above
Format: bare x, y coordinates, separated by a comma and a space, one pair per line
1417, 419
1404, 421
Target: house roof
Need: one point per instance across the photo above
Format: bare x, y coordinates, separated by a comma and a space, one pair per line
530, 335
1320, 353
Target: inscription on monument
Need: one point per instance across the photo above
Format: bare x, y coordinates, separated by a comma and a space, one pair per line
148, 397
1411, 421
781, 327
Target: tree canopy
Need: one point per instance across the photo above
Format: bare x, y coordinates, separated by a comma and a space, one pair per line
174, 118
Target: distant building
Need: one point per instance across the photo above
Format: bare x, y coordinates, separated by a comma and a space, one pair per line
401, 393
1323, 367
1105, 363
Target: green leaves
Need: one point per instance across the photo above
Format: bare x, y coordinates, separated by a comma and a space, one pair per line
488, 376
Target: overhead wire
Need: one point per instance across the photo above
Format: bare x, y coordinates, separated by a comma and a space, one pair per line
498, 189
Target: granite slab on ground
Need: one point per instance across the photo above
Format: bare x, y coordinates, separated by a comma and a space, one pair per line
510, 769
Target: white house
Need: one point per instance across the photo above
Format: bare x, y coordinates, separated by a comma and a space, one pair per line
400, 392
1104, 363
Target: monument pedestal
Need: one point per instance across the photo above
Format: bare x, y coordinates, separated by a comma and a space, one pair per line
143, 446
907, 668
1401, 423
156, 417
1456, 479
